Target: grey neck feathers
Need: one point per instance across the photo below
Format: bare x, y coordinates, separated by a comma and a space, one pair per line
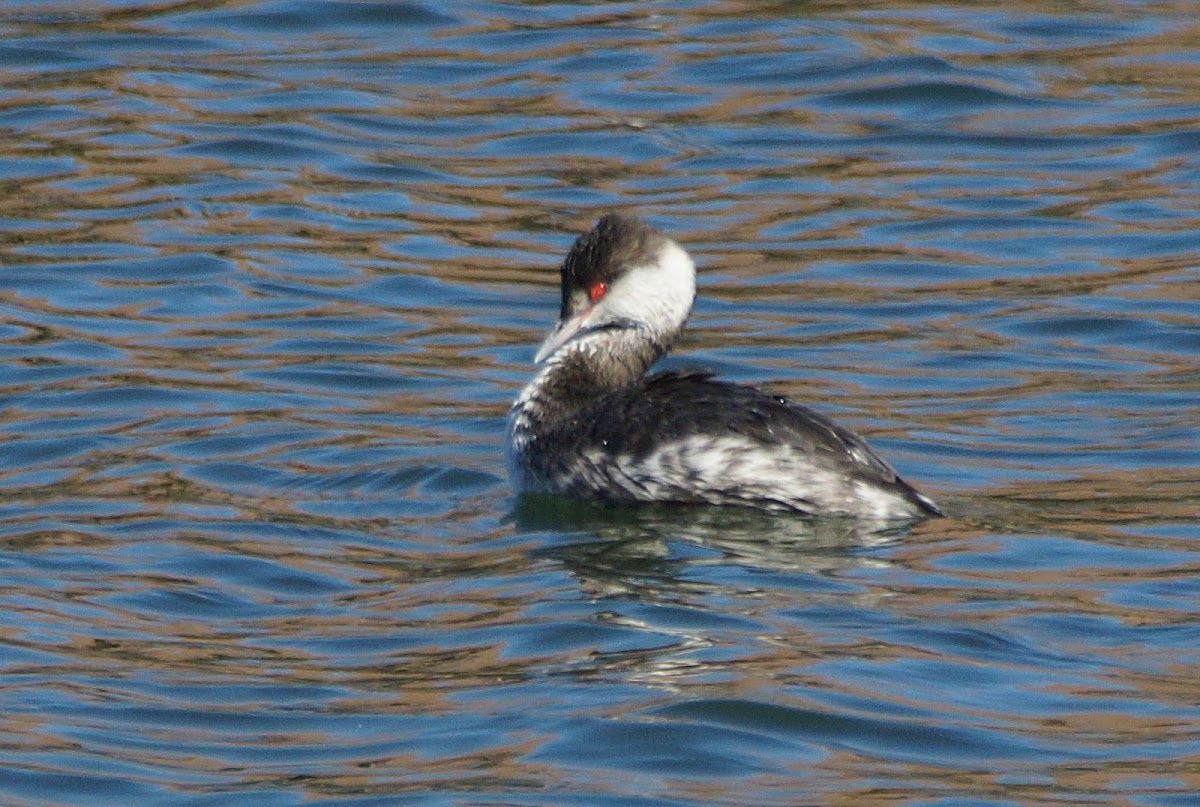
581, 372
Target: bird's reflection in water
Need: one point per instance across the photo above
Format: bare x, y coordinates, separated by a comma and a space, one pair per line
652, 551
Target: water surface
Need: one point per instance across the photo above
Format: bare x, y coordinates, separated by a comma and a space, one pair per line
272, 272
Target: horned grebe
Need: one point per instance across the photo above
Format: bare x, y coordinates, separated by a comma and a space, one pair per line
592, 424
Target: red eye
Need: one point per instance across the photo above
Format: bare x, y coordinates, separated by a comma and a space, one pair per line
597, 291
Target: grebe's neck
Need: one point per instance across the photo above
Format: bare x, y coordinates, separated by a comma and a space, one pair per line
576, 374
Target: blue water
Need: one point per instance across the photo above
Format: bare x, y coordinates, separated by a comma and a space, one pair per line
271, 273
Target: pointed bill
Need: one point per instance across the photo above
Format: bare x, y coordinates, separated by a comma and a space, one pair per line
563, 333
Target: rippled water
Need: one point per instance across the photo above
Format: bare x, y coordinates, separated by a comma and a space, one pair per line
272, 272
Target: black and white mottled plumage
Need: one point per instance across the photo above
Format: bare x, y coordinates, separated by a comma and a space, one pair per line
592, 424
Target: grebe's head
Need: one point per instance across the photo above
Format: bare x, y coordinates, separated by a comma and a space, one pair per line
623, 275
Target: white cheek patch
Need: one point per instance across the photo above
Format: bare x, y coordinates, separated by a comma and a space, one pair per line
657, 296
